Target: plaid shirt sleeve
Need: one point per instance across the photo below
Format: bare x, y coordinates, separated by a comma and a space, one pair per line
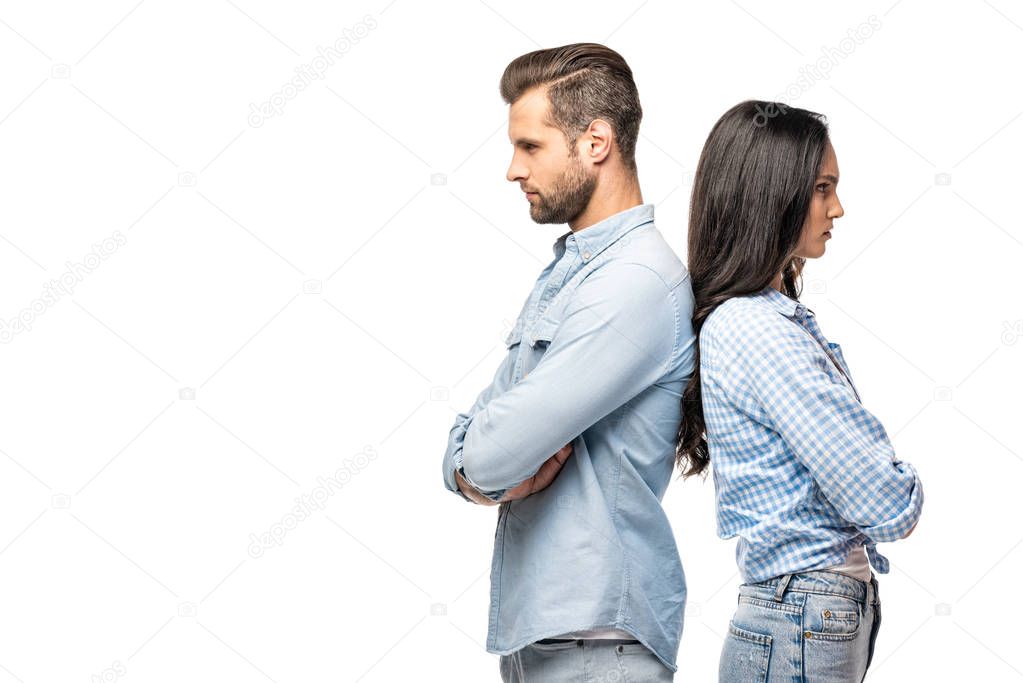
780, 375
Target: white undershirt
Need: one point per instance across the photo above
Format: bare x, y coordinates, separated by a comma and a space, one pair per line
599, 634
855, 565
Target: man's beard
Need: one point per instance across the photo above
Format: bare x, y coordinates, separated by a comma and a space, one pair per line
567, 198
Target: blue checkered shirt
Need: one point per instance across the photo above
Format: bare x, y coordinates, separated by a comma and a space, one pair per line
803, 473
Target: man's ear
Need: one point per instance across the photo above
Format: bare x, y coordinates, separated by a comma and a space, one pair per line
597, 138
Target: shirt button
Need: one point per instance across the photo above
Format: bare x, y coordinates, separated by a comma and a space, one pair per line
807, 635
586, 256
621, 649
827, 614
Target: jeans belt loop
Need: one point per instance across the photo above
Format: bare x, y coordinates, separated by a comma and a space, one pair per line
783, 584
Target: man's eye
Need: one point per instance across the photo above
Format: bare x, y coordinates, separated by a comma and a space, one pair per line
823, 187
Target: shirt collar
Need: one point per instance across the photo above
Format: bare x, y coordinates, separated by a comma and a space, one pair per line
597, 237
788, 307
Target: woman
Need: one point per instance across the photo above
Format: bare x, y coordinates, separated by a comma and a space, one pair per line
804, 475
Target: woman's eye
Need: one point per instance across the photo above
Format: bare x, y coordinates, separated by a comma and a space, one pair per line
823, 187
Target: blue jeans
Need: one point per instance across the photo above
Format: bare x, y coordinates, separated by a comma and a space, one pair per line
812, 626
590, 661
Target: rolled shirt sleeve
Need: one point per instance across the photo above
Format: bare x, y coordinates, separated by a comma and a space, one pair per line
456, 437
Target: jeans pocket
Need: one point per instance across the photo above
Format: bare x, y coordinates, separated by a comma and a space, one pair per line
831, 617
637, 664
836, 638
744, 657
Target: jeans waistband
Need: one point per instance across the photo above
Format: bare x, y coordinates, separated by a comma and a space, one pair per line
822, 581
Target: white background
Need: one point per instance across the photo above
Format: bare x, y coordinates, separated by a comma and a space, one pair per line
321, 293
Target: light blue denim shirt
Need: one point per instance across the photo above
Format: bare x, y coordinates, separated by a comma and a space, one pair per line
606, 339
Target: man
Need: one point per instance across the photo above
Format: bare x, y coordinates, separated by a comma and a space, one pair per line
575, 437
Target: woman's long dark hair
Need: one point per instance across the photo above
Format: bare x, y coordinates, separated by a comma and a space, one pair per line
751, 195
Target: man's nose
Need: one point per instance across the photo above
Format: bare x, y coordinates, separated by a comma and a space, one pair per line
515, 172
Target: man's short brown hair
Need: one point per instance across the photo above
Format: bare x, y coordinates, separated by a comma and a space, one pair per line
584, 81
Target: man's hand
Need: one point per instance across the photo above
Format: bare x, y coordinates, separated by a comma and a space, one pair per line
539, 481
470, 491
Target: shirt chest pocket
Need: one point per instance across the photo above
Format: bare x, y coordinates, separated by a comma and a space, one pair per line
841, 367
539, 336
529, 343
